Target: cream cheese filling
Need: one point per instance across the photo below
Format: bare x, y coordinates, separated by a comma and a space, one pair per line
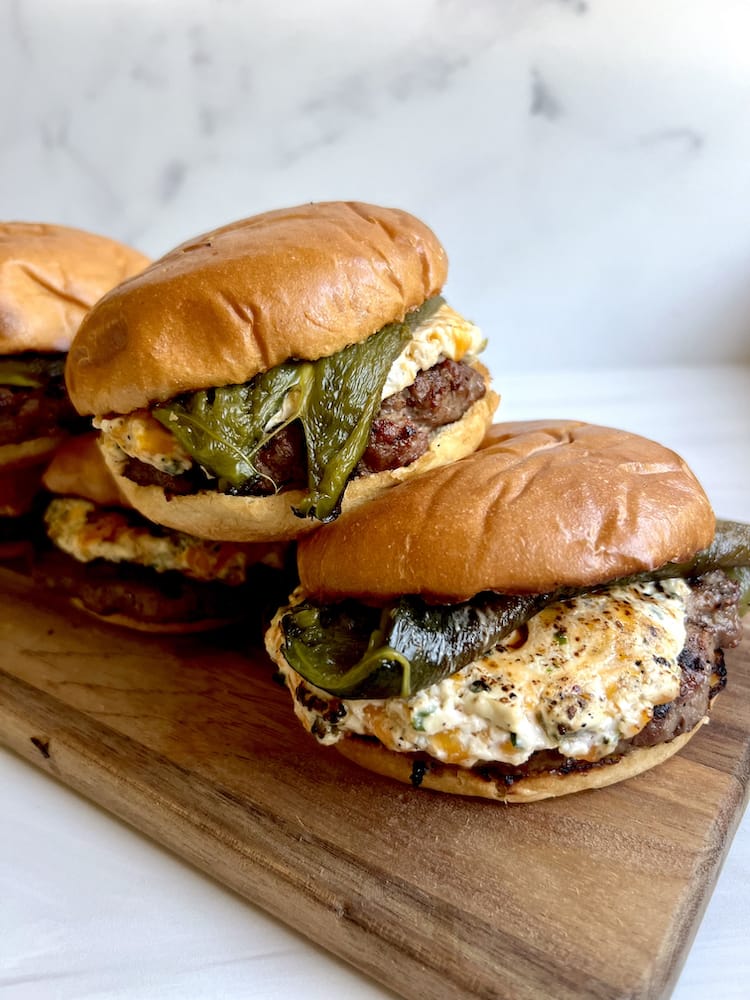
87, 532
583, 675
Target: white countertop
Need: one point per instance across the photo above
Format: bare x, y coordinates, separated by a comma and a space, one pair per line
92, 909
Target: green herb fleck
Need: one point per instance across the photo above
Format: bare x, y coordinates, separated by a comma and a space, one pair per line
417, 721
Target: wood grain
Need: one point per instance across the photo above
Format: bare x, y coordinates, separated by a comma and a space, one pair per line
191, 741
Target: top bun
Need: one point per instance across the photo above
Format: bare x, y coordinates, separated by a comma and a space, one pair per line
295, 283
78, 469
541, 505
50, 276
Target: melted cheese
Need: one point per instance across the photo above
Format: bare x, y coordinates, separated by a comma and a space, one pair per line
445, 334
142, 436
587, 674
88, 532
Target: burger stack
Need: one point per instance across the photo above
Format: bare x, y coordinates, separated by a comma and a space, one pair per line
117, 565
49, 277
248, 387
513, 611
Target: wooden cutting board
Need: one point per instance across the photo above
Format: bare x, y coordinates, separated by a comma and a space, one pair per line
191, 741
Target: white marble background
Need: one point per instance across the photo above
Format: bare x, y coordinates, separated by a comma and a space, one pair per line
586, 162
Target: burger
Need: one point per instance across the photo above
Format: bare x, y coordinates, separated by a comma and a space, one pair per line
544, 616
114, 564
257, 380
49, 277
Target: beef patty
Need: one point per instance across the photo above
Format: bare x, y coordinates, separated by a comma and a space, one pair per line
42, 411
400, 433
147, 596
712, 626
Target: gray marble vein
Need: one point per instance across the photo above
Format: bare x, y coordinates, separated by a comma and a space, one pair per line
544, 102
688, 139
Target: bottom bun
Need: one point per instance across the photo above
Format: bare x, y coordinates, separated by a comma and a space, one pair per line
174, 627
35, 451
221, 517
490, 782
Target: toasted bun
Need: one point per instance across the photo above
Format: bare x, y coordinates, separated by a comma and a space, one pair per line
176, 627
544, 504
49, 277
300, 282
248, 519
457, 780
34, 452
78, 469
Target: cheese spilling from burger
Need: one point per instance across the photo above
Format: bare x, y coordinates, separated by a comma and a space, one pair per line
88, 532
141, 436
581, 676
443, 335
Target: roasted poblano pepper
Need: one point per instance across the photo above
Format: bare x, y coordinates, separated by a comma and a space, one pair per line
354, 651
343, 401
223, 429
334, 398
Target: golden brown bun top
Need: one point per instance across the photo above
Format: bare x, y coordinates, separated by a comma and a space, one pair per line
295, 283
50, 276
79, 470
542, 504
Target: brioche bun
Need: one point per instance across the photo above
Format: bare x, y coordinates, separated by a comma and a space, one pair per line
481, 783
543, 504
34, 452
49, 277
223, 517
178, 626
295, 283
78, 469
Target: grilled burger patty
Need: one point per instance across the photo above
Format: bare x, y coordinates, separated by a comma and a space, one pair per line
400, 433
28, 412
145, 595
403, 425
712, 625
